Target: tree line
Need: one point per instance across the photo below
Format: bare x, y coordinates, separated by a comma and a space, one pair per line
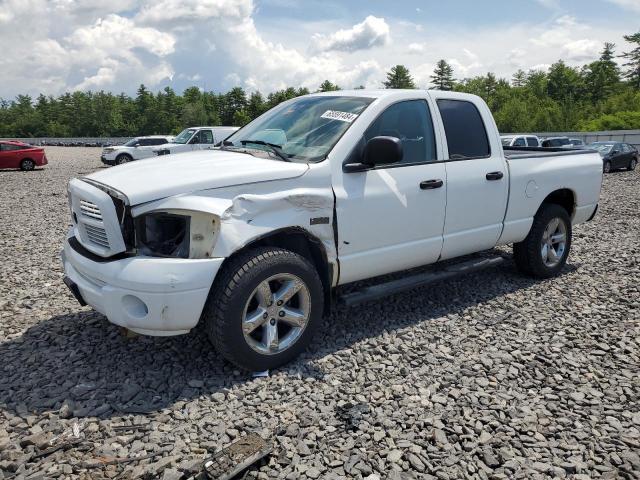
597, 96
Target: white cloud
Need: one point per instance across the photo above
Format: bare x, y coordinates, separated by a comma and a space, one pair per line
417, 47
193, 10
633, 5
372, 32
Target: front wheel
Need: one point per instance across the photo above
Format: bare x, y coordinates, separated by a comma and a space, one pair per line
544, 252
632, 164
264, 309
607, 167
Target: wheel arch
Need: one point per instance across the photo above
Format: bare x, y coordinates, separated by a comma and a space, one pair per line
564, 197
304, 243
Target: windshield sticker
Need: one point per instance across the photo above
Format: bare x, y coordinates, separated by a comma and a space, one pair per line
342, 116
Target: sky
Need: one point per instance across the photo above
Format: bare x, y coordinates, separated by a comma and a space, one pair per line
54, 46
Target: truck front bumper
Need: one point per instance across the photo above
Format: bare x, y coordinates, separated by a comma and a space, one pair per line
148, 295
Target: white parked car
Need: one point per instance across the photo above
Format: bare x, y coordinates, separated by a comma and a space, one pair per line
256, 238
195, 138
135, 149
520, 141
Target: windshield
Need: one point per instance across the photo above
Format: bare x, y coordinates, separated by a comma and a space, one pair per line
602, 147
506, 141
184, 136
304, 129
131, 143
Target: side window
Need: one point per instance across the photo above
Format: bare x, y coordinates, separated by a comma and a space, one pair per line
465, 130
206, 136
532, 142
411, 122
625, 148
144, 142
519, 142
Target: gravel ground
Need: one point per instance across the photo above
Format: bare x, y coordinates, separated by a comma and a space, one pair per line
491, 376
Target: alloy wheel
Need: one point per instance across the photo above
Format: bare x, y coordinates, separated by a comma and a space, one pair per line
276, 314
554, 242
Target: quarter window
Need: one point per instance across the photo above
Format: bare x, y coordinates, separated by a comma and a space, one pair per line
465, 130
519, 142
411, 122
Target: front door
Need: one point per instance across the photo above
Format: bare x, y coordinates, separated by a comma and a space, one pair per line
390, 218
477, 179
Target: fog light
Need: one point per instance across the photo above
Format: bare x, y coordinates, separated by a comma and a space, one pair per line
134, 306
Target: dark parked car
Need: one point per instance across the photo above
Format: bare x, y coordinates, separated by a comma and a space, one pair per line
616, 155
557, 142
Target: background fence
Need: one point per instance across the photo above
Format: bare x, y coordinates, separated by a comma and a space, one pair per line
627, 136
631, 137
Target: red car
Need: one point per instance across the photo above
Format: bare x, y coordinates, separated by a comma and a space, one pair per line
21, 155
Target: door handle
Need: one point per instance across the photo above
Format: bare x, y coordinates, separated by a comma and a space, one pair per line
431, 184
495, 175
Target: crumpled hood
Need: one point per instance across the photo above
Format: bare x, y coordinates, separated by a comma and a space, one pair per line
146, 180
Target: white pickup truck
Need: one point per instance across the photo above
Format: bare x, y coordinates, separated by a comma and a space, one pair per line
195, 138
256, 238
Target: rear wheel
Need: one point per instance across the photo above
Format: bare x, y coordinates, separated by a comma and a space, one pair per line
27, 164
123, 158
544, 252
264, 309
607, 167
632, 164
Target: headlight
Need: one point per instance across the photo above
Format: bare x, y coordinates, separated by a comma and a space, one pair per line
176, 233
108, 150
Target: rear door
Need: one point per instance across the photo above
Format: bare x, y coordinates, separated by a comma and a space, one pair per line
5, 156
10, 155
618, 156
532, 142
477, 180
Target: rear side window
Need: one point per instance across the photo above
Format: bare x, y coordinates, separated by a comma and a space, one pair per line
519, 142
532, 142
411, 122
465, 130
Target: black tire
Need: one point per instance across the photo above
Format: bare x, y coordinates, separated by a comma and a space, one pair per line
606, 168
527, 254
123, 158
632, 164
224, 311
27, 165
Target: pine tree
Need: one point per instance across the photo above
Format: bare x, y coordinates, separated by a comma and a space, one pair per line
633, 61
327, 86
399, 77
519, 79
442, 78
602, 76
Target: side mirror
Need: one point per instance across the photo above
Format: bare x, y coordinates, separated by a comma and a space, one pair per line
377, 151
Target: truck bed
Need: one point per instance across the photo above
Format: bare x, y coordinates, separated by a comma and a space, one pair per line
515, 153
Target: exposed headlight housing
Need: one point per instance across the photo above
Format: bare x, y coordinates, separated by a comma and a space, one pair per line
176, 234
108, 149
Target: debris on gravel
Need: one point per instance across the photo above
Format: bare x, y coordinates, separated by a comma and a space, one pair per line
489, 376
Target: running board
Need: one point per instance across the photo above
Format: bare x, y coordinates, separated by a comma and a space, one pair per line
380, 290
